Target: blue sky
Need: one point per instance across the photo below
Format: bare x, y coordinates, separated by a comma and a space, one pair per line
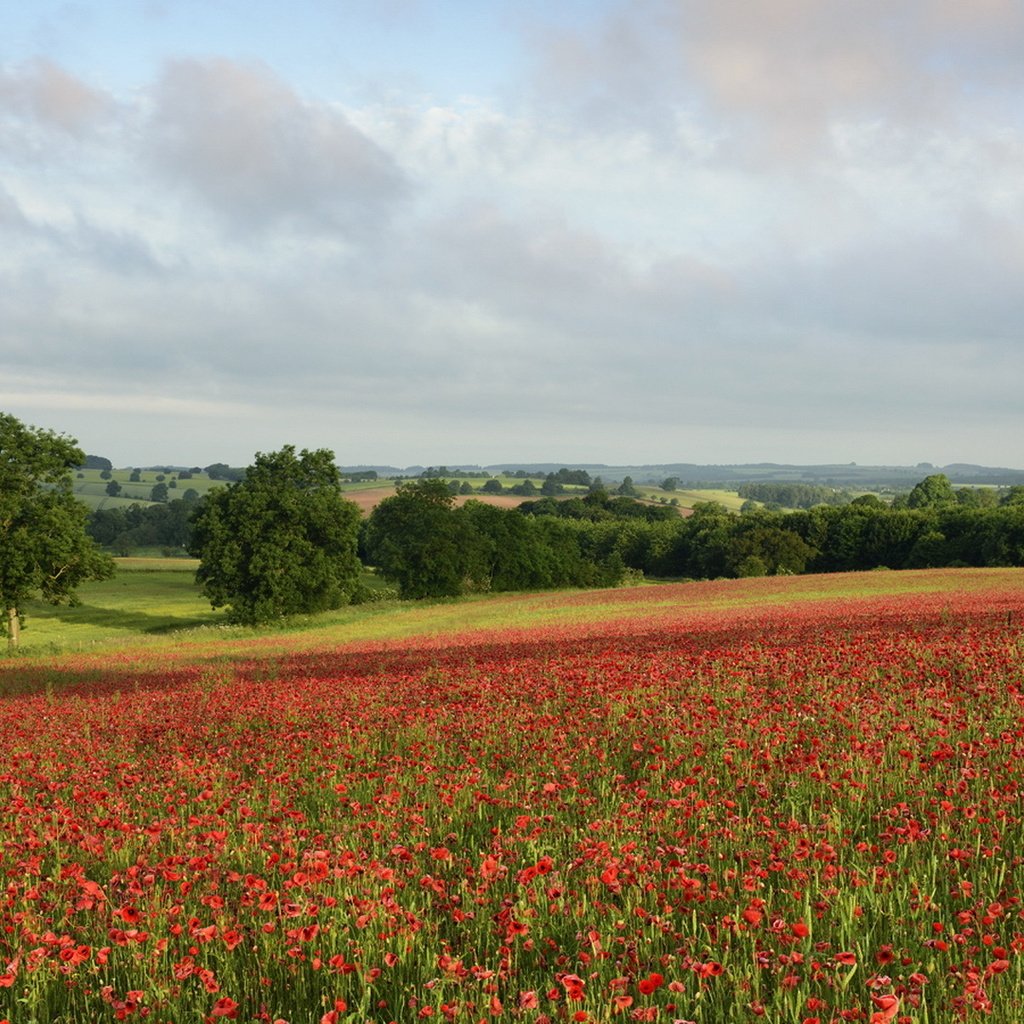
654, 231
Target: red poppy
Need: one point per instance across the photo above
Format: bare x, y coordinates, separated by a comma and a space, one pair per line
225, 1007
650, 984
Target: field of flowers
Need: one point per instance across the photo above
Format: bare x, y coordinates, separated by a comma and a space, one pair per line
800, 812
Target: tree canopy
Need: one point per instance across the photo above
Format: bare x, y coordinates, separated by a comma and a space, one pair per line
417, 541
280, 541
44, 549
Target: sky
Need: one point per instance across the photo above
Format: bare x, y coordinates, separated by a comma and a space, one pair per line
472, 232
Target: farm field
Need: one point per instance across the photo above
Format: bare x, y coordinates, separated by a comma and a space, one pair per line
793, 800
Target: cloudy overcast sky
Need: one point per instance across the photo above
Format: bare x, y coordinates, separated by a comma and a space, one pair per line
585, 231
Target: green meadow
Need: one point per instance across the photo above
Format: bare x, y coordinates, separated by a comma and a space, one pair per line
152, 609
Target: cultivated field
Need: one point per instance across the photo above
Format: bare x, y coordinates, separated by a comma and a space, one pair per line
793, 800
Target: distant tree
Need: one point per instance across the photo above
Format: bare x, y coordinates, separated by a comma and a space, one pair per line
466, 488
280, 541
577, 477
158, 492
96, 462
626, 488
933, 491
551, 486
113, 488
526, 489
1014, 496
871, 500
185, 474
135, 477
977, 497
160, 478
670, 483
191, 495
105, 474
416, 540
492, 486
222, 471
172, 483
44, 548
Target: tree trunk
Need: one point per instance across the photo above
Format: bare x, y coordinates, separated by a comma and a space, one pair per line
13, 628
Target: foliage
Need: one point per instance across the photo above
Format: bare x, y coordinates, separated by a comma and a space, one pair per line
222, 471
933, 491
792, 495
44, 548
415, 539
163, 525
280, 541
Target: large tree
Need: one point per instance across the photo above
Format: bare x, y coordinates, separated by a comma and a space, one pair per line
417, 539
44, 549
280, 541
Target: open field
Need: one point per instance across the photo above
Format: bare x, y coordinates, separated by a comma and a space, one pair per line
781, 799
154, 604
91, 489
688, 498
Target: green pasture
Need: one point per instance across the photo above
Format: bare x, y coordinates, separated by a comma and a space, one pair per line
146, 598
91, 489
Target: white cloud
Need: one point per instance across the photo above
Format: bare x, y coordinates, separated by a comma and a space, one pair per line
696, 228
259, 154
46, 93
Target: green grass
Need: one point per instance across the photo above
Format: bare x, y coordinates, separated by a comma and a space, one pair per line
91, 489
152, 607
146, 597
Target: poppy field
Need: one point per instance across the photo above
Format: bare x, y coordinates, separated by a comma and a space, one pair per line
805, 811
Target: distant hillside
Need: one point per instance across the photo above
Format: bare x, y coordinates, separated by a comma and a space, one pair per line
692, 475
848, 475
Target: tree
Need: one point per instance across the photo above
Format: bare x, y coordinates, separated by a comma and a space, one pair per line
44, 548
280, 541
158, 492
933, 491
416, 540
113, 488
670, 483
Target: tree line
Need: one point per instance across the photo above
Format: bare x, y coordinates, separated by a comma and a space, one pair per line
283, 539
426, 545
601, 539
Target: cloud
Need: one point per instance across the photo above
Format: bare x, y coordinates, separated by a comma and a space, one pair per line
758, 228
259, 155
44, 93
769, 79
